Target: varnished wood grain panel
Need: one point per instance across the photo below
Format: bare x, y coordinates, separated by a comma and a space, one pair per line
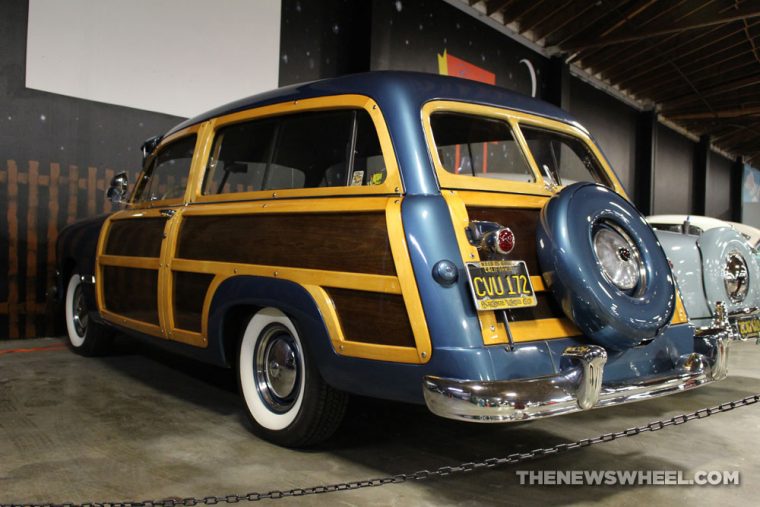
131, 292
189, 292
372, 317
352, 242
136, 237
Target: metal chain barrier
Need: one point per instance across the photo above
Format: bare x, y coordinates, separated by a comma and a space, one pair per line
422, 475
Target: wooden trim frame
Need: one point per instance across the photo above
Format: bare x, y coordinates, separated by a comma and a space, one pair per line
448, 180
123, 261
391, 185
197, 163
313, 280
491, 328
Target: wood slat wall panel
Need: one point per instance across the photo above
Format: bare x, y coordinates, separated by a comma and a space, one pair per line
36, 202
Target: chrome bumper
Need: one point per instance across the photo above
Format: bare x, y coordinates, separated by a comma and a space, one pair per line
578, 386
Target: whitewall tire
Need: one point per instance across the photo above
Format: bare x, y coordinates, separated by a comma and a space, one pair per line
86, 337
285, 398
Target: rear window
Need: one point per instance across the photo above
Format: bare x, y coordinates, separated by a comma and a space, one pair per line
305, 150
563, 159
479, 146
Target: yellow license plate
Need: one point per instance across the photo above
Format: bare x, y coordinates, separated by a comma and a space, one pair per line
500, 285
749, 327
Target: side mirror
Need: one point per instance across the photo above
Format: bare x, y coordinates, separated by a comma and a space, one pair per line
117, 192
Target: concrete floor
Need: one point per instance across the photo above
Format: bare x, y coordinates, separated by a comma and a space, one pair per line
143, 424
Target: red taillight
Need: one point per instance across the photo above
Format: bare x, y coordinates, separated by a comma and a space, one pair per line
505, 241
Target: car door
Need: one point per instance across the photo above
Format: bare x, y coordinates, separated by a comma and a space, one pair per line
130, 285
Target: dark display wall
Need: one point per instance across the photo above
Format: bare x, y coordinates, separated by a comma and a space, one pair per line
326, 38
613, 125
718, 203
672, 175
57, 155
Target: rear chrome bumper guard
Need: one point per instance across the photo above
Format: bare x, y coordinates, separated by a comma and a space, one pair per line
578, 386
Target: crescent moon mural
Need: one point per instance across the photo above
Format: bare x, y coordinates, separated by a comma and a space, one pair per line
532, 76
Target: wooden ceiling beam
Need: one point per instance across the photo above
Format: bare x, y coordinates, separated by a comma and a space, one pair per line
564, 21
682, 100
703, 79
625, 18
736, 15
725, 113
658, 60
495, 7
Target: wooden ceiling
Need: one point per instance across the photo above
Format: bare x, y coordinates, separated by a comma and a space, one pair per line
696, 61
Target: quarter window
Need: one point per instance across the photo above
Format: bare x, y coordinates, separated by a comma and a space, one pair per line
479, 146
166, 175
305, 150
563, 159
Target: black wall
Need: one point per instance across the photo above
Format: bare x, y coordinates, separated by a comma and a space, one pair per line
612, 123
674, 161
718, 203
324, 39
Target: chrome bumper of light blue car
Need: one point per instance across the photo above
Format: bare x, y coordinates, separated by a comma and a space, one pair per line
578, 386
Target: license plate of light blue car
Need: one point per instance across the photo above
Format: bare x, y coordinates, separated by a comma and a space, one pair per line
749, 327
500, 285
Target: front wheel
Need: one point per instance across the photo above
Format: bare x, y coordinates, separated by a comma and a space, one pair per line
286, 399
86, 337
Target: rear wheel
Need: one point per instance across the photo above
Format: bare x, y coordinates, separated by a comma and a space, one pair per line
86, 337
286, 399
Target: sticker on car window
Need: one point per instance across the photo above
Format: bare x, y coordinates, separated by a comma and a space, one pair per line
357, 179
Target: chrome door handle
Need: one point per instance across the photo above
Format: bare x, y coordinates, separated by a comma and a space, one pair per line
168, 212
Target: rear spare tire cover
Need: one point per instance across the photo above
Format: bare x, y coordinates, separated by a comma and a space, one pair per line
609, 316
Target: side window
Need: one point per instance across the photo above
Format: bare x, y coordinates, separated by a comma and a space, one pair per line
479, 146
305, 150
239, 158
166, 175
563, 159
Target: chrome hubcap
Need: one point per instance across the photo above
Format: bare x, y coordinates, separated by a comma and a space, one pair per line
277, 368
79, 310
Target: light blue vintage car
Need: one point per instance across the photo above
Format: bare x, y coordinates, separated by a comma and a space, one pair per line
714, 266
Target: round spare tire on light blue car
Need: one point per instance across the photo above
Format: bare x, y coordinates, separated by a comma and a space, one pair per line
604, 265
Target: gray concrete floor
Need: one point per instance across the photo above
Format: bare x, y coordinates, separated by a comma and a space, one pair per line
143, 424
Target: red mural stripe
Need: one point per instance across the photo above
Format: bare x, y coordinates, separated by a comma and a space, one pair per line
46, 348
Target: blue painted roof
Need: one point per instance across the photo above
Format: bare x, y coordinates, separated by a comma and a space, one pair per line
390, 89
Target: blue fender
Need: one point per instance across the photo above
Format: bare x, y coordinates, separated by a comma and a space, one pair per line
256, 291
571, 270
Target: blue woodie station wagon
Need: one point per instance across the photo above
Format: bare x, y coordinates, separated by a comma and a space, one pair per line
395, 235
